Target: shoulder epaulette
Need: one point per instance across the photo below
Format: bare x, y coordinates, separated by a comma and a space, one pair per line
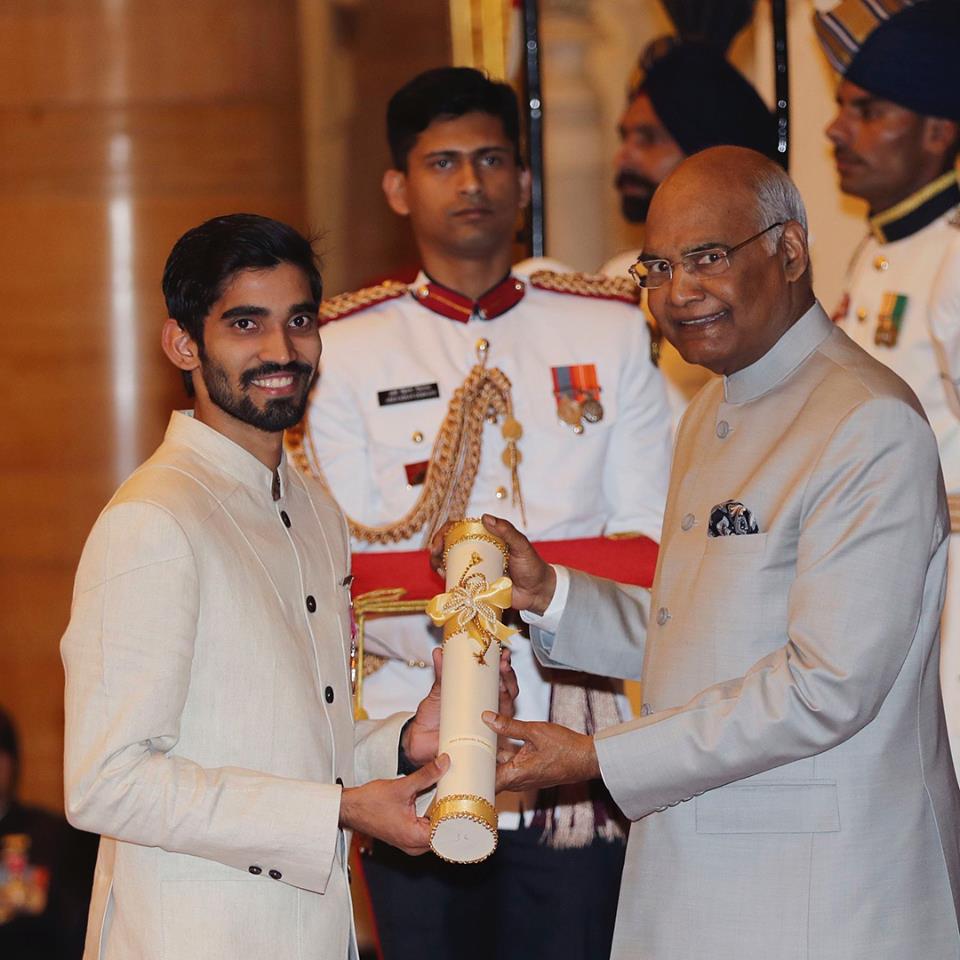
587, 285
342, 305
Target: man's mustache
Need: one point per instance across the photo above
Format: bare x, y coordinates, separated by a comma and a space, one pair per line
843, 155
627, 178
295, 367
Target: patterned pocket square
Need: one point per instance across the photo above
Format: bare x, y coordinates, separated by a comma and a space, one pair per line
731, 518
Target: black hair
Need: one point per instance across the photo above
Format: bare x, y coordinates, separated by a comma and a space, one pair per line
10, 745
444, 94
205, 258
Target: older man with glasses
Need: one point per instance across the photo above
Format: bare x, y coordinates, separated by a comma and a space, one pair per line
789, 777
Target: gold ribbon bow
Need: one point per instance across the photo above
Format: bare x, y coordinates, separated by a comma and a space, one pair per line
474, 605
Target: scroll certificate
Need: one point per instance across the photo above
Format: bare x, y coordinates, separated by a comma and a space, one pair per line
463, 816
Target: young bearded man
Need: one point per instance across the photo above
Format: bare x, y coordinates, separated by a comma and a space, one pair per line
209, 728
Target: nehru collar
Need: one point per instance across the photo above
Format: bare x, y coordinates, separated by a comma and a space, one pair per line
918, 210
448, 303
793, 347
227, 456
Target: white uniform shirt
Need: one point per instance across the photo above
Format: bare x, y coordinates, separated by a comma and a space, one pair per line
927, 349
611, 478
917, 280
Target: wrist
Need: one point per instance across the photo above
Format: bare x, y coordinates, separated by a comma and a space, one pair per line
544, 596
591, 760
406, 764
346, 817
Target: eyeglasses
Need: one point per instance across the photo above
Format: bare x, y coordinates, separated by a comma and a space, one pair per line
650, 274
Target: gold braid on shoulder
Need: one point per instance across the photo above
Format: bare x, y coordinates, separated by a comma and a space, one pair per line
454, 460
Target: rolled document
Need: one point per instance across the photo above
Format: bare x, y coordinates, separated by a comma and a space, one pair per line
463, 815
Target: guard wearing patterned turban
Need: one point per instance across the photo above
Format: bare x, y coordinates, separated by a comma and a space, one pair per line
895, 139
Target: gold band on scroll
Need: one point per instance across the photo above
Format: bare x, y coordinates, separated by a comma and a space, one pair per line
471, 529
464, 806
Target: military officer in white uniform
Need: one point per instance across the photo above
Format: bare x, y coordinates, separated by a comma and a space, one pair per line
589, 420
895, 139
790, 783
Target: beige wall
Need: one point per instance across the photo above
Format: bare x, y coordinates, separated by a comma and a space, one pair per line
122, 125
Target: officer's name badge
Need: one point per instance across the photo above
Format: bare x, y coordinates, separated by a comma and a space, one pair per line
418, 391
893, 307
577, 393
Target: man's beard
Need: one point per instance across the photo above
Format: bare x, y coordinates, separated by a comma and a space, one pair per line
280, 413
634, 206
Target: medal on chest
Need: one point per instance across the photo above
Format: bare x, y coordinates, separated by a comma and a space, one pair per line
893, 308
577, 394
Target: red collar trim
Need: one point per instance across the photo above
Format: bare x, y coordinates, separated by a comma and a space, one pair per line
448, 303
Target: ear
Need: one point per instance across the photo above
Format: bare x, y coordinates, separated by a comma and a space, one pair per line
793, 247
525, 179
940, 134
179, 346
395, 189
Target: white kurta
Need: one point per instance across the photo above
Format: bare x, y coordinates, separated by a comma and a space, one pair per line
924, 268
609, 479
208, 710
791, 780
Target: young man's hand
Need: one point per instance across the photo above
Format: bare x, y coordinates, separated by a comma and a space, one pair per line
420, 741
384, 809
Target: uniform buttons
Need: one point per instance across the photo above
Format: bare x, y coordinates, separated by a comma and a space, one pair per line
663, 615
417, 437
311, 604
422, 292
276, 875
328, 694
688, 521
482, 345
861, 314
501, 492
255, 870
416, 663
285, 518
723, 428
482, 314
881, 263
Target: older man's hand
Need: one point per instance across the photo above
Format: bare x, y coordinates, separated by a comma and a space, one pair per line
550, 754
534, 580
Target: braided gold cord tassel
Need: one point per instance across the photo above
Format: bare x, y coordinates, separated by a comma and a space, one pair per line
454, 460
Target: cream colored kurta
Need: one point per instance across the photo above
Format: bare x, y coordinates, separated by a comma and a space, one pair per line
208, 715
791, 777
